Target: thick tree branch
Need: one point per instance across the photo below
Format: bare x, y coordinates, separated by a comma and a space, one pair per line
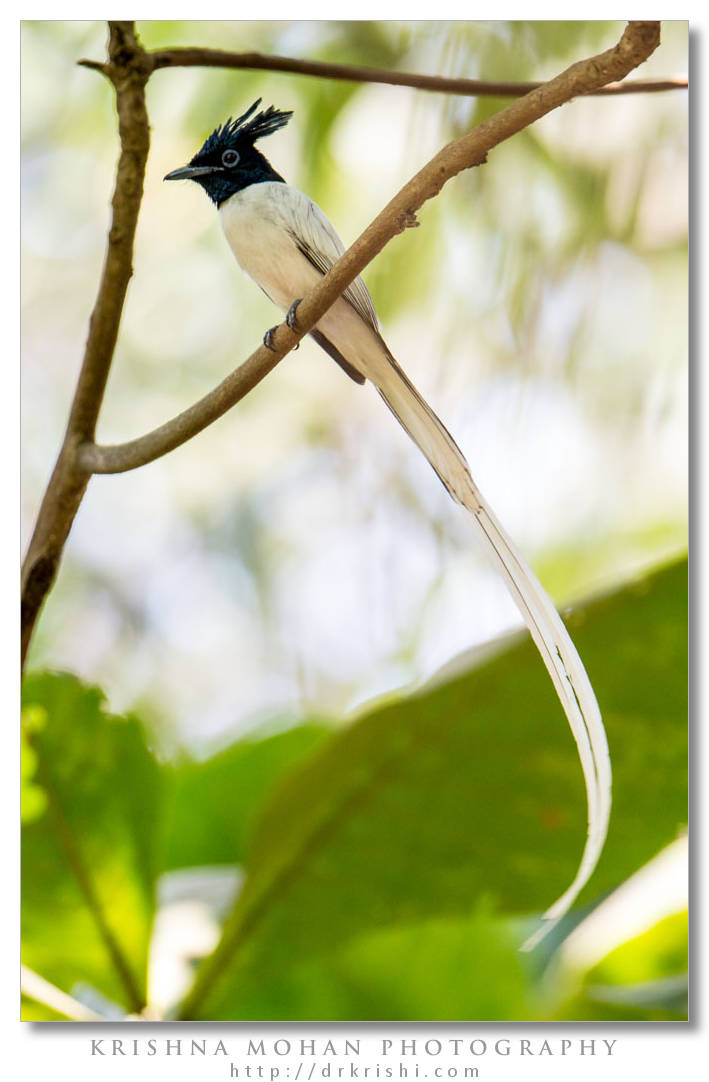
220, 58
128, 69
637, 43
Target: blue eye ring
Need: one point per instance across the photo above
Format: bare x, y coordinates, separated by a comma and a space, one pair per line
230, 158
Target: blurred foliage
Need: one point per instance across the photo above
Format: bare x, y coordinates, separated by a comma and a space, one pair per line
446, 969
644, 979
660, 951
405, 815
384, 862
32, 796
228, 790
31, 1011
541, 307
299, 558
89, 858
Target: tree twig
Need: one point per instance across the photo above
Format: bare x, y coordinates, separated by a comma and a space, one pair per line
637, 43
128, 69
221, 58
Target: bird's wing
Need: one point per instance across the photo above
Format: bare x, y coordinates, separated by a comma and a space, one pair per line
316, 238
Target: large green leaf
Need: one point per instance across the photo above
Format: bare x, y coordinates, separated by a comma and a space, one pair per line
213, 803
442, 969
89, 849
469, 789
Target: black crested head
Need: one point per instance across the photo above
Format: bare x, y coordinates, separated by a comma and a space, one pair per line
228, 161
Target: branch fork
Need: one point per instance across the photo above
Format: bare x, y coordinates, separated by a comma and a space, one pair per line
129, 66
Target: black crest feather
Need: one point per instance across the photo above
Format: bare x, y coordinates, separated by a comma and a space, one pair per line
264, 123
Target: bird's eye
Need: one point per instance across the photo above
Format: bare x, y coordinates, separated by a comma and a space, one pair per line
230, 158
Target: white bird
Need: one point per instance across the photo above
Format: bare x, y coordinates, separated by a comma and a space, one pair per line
285, 243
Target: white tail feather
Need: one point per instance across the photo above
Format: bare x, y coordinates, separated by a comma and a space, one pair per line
545, 625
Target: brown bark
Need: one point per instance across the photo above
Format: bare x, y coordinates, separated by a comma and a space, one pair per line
128, 69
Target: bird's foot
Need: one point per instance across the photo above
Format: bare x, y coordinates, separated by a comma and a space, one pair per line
290, 315
291, 321
268, 339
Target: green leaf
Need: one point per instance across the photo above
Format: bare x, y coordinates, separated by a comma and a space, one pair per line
89, 860
644, 978
428, 971
214, 804
33, 799
31, 1011
658, 952
471, 788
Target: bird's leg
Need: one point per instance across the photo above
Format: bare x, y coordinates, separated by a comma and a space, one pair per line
291, 322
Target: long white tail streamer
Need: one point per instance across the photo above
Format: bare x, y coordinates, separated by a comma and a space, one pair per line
540, 615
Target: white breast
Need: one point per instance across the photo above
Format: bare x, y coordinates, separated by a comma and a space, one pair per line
259, 233
261, 224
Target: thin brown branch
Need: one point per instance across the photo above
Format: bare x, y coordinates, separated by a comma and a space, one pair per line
638, 41
118, 458
128, 69
221, 58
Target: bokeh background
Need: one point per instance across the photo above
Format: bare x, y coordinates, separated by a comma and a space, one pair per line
265, 598
300, 555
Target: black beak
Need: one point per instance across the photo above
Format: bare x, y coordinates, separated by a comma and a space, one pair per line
191, 172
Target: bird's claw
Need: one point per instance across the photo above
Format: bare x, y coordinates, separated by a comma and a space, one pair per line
290, 321
290, 315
